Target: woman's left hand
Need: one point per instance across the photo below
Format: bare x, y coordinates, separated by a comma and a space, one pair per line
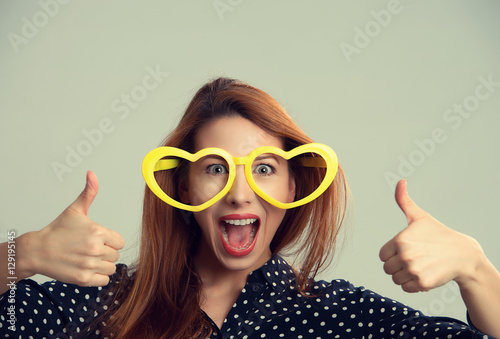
427, 254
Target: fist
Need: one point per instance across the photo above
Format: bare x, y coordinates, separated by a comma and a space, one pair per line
426, 254
73, 248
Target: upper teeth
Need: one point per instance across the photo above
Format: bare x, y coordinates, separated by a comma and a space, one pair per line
240, 221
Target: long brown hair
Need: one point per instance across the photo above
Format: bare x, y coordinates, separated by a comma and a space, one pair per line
163, 300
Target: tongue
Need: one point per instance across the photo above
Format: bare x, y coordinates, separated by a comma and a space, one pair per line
239, 236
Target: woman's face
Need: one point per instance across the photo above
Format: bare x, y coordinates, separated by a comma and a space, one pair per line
237, 230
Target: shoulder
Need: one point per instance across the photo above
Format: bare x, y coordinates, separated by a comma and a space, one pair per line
54, 307
339, 307
347, 297
360, 310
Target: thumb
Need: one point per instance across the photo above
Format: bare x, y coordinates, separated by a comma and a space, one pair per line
82, 203
407, 205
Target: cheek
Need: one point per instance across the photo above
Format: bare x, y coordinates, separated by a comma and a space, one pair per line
282, 190
200, 190
196, 195
274, 218
205, 222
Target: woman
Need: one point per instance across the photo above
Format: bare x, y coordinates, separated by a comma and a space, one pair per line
216, 271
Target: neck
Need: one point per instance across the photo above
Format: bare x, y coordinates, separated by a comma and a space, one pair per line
220, 286
213, 274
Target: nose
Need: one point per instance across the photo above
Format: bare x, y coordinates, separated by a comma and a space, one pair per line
240, 193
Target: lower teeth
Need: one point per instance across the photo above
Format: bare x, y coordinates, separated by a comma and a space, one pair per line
226, 237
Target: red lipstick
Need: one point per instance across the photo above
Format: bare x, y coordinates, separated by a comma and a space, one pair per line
239, 227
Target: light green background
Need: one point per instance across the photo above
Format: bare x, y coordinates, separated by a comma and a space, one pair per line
371, 110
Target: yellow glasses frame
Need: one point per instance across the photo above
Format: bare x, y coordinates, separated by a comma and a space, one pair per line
153, 162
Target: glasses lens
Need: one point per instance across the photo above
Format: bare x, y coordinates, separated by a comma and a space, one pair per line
310, 171
276, 176
194, 182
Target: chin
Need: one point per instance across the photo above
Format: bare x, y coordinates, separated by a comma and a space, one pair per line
251, 261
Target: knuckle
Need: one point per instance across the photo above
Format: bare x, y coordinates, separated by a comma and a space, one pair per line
400, 240
412, 269
116, 256
424, 284
88, 263
384, 253
110, 269
94, 229
406, 257
395, 280
122, 242
409, 288
104, 281
387, 269
94, 247
83, 278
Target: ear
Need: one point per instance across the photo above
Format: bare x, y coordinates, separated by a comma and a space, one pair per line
291, 189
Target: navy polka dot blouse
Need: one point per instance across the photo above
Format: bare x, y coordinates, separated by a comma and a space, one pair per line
268, 307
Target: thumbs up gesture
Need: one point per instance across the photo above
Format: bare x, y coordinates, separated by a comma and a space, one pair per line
426, 254
73, 248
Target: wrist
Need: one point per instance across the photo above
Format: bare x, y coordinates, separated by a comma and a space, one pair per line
476, 268
25, 266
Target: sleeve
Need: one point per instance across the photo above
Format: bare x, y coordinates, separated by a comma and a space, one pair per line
384, 317
50, 310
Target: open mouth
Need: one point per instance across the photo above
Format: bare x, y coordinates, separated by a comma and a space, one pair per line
238, 233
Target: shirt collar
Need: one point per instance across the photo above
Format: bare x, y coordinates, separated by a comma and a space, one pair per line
277, 273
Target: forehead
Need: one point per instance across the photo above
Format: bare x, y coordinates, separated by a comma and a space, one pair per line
236, 135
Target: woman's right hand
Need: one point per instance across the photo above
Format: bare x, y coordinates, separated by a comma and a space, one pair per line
73, 248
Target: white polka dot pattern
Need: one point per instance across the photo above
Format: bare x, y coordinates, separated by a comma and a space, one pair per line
269, 306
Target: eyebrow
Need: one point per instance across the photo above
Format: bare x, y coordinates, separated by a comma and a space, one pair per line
267, 156
214, 157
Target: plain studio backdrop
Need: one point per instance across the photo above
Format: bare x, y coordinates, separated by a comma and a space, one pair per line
399, 89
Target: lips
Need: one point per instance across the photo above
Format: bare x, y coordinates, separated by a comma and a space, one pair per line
238, 233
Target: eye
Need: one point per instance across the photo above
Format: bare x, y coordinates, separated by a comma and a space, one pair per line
216, 169
264, 169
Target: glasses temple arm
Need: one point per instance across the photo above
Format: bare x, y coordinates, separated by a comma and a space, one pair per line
312, 162
166, 164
